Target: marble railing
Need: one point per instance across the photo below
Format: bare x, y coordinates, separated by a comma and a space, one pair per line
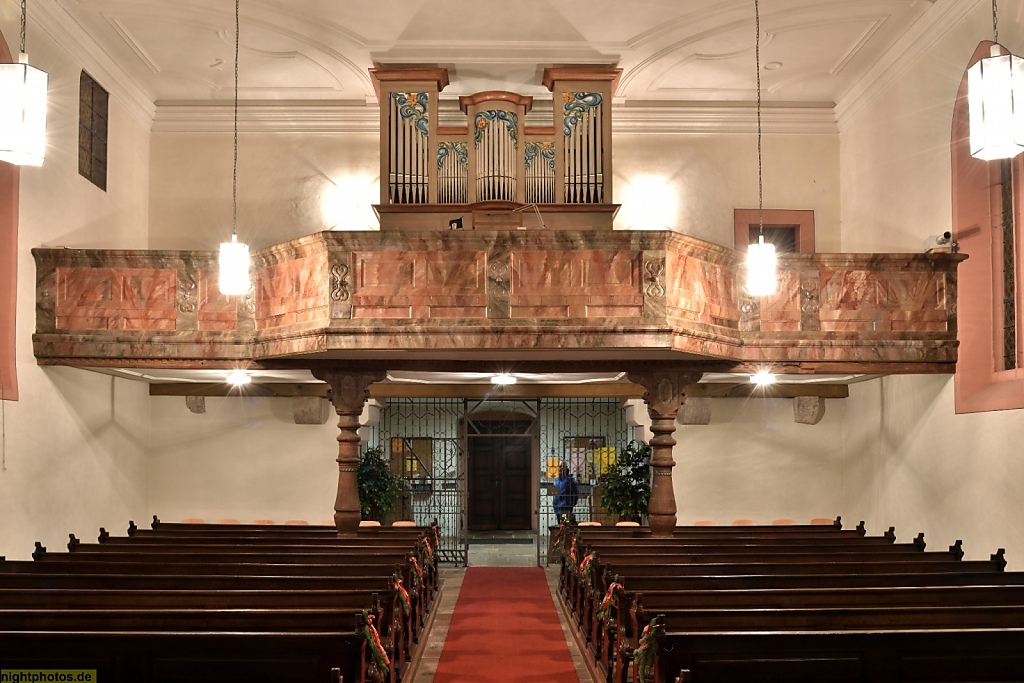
528, 295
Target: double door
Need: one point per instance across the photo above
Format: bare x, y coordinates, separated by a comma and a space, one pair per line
499, 482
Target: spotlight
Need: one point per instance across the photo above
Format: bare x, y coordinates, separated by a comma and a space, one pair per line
762, 378
503, 378
238, 378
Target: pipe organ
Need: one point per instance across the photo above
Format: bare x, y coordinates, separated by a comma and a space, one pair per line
495, 165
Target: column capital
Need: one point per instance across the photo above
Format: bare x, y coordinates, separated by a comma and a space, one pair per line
665, 388
350, 388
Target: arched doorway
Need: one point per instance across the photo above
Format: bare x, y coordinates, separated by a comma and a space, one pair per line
501, 451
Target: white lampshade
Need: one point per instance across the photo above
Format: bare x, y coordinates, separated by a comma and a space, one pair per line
995, 98
761, 277
234, 267
22, 113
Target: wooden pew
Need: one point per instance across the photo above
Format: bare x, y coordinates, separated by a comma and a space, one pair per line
286, 558
195, 656
834, 656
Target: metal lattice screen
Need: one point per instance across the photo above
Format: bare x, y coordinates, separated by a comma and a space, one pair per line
425, 439
585, 434
421, 436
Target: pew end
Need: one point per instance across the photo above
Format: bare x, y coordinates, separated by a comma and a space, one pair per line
919, 542
73, 543
38, 553
1000, 559
957, 549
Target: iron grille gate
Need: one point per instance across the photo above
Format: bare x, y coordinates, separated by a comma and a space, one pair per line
422, 437
426, 441
585, 435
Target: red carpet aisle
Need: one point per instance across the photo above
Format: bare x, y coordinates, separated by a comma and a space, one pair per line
505, 630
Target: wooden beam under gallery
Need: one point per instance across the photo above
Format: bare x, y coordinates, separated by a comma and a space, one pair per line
383, 390
402, 390
748, 390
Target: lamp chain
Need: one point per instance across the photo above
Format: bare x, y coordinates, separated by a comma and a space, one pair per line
234, 169
757, 60
995, 23
24, 11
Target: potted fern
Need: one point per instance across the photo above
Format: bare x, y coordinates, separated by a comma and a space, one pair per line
626, 491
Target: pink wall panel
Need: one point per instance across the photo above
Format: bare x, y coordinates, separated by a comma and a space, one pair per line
108, 298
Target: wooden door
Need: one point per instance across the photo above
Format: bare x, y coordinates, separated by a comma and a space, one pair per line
499, 482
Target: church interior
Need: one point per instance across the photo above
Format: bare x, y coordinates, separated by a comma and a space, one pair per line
406, 256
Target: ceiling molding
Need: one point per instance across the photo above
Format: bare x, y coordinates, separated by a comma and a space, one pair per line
911, 46
80, 47
709, 118
268, 117
356, 117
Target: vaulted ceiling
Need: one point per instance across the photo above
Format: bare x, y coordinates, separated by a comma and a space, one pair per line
671, 51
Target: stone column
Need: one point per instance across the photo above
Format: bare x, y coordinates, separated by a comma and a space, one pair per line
349, 391
664, 396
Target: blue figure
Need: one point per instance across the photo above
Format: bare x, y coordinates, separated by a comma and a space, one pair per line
565, 499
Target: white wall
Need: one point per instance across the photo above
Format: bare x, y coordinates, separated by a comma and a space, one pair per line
288, 186
692, 183
244, 459
754, 462
75, 443
909, 460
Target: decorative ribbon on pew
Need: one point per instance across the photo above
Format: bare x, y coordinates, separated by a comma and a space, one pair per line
437, 535
381, 661
605, 610
572, 550
643, 656
403, 595
419, 572
559, 536
428, 549
586, 566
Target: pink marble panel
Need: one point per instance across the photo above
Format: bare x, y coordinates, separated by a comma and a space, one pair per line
454, 312
781, 311
575, 284
385, 272
382, 312
216, 312
540, 311
291, 292
109, 298
700, 290
543, 271
421, 285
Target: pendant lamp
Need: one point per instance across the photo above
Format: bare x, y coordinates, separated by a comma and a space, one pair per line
995, 100
22, 109
234, 255
761, 275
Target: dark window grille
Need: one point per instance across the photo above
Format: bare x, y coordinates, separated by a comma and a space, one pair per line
92, 131
1009, 263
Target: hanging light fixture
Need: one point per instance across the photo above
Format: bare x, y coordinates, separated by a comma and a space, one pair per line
22, 109
995, 99
761, 277
234, 255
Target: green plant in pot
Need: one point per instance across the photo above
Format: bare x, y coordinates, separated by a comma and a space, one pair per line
378, 485
627, 484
